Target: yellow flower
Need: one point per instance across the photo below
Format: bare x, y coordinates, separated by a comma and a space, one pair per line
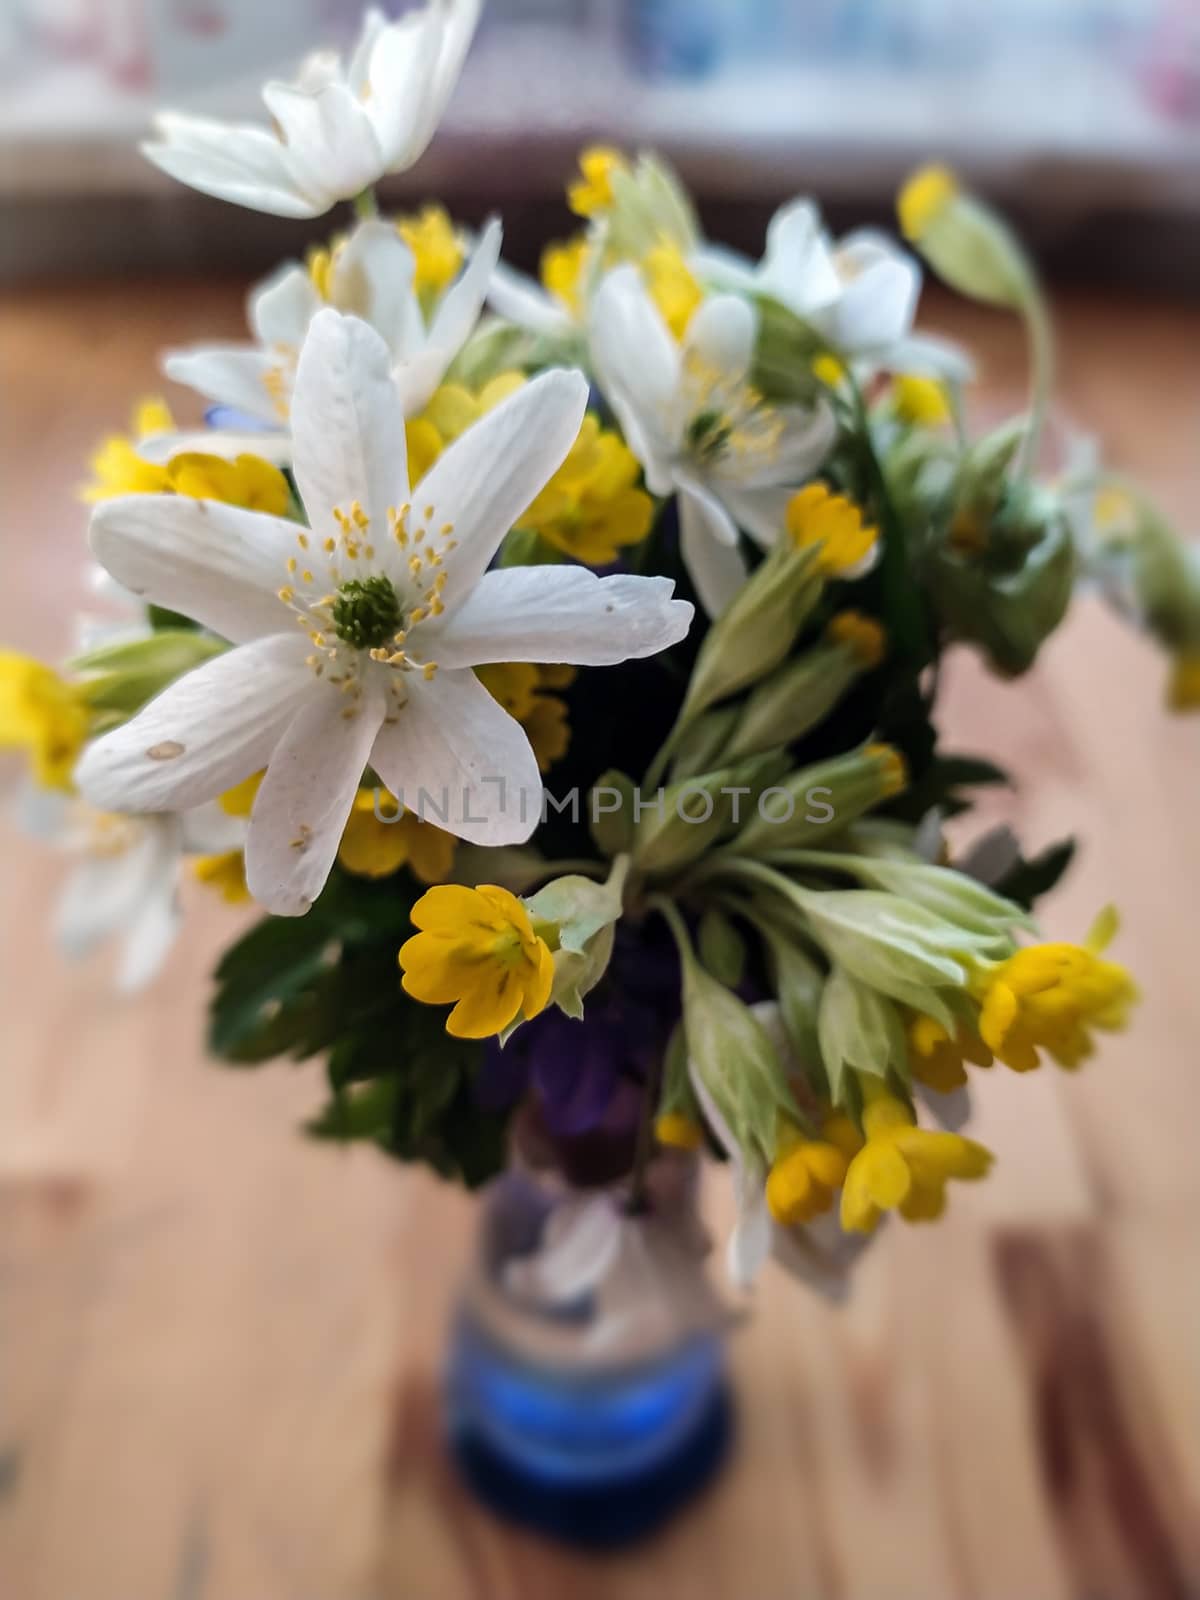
436, 249
920, 401
375, 848
520, 687
802, 1181
563, 270
248, 481
829, 370
42, 715
1183, 693
939, 1060
592, 191
672, 287
834, 525
892, 767
923, 199
226, 873
116, 466
591, 507
451, 410
239, 801
902, 1167
677, 1131
862, 636
1050, 997
477, 948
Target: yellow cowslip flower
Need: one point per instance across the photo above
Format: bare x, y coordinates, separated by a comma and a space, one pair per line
520, 687
1183, 691
920, 401
807, 1172
939, 1060
672, 286
865, 638
375, 848
436, 247
451, 410
829, 370
117, 468
42, 715
239, 801
591, 508
563, 270
248, 481
1050, 997
677, 1131
225, 873
924, 198
592, 191
891, 765
902, 1167
477, 947
834, 525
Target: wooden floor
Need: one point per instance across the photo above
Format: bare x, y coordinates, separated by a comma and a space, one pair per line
219, 1344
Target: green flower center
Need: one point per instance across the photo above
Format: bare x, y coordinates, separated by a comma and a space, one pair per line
366, 613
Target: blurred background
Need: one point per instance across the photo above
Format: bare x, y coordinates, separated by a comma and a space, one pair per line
220, 1342
1081, 116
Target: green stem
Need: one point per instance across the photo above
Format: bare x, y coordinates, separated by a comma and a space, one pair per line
366, 206
1042, 362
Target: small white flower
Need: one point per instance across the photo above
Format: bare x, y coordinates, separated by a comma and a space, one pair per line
691, 416
371, 277
355, 637
527, 304
860, 293
124, 878
337, 129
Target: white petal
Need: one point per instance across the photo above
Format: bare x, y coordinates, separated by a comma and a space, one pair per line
460, 19
272, 444
761, 512
232, 375
209, 730
282, 306
373, 279
303, 802
458, 759
210, 830
881, 286
401, 74
358, 73
633, 348
459, 310
714, 565
347, 427
154, 930
561, 614
103, 892
522, 300
220, 565
798, 268
750, 1242
724, 268
928, 355
492, 472
721, 335
330, 144
951, 1111
233, 161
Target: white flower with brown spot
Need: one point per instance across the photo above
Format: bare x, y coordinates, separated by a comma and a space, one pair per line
356, 636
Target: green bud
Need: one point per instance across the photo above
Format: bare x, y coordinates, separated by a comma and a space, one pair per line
859, 1030
612, 828
680, 823
798, 983
578, 919
816, 803
650, 207
701, 748
964, 241
121, 678
802, 693
722, 948
959, 899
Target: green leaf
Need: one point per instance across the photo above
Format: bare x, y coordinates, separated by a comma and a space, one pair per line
721, 948
1032, 878
612, 829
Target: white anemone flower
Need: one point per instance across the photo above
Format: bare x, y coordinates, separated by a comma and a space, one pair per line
370, 275
860, 293
337, 129
527, 304
123, 882
693, 419
355, 637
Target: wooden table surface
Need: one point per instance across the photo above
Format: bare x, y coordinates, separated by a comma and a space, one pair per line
219, 1344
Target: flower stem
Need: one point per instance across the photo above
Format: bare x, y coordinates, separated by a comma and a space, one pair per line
1042, 358
366, 206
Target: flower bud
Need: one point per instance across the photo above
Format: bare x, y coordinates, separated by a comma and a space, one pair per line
859, 1031
803, 693
122, 678
681, 822
964, 241
816, 803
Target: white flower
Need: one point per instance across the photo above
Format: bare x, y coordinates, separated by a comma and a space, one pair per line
125, 873
527, 304
860, 294
355, 637
370, 276
337, 129
692, 418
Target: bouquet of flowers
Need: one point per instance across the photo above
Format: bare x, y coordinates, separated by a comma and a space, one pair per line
555, 663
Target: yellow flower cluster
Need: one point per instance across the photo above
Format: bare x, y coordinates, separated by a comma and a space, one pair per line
677, 1131
525, 691
43, 716
832, 524
478, 949
924, 198
563, 270
807, 1172
901, 1167
436, 248
592, 191
919, 401
451, 411
938, 1059
672, 285
118, 469
224, 874
592, 508
377, 841
862, 636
